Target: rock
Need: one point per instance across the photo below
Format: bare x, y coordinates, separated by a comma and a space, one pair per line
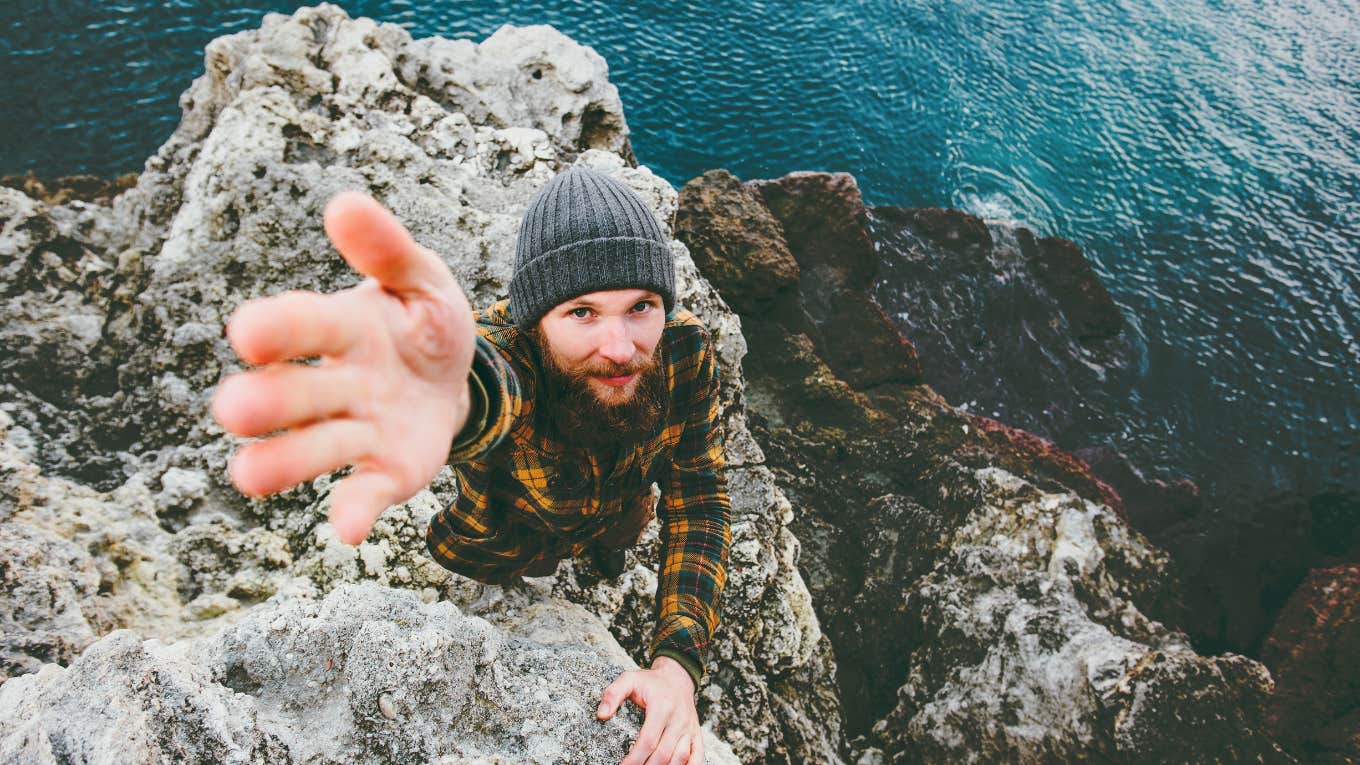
123, 700
1018, 331
45, 580
56, 191
1080, 296
1150, 504
1029, 640
77, 563
368, 674
1312, 653
984, 596
736, 241
1242, 557
112, 344
1008, 325
822, 216
908, 581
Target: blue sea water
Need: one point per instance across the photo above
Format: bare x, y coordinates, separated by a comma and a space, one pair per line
1204, 153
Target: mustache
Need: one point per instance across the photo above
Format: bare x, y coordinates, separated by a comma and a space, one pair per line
621, 370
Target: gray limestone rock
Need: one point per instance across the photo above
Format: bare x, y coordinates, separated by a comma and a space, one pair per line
150, 611
111, 347
1030, 641
368, 674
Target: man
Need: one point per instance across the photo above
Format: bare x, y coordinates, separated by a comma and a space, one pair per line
558, 407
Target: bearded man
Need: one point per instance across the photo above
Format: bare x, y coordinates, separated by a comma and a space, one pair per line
559, 408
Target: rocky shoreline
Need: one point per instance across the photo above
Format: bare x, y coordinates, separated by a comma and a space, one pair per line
910, 581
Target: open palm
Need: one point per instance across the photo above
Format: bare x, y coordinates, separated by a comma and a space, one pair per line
390, 392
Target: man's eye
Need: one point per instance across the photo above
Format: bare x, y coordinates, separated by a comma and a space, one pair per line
579, 316
644, 304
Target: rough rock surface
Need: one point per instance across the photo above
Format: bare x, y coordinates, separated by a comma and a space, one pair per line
368, 674
116, 509
1018, 327
909, 582
1314, 655
986, 600
1011, 325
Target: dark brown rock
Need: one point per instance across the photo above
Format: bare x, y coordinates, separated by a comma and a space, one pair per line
1083, 299
885, 475
1004, 326
823, 219
1313, 653
735, 241
953, 230
1150, 504
86, 188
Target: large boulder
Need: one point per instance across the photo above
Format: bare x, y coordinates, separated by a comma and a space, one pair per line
111, 346
986, 598
1313, 652
368, 674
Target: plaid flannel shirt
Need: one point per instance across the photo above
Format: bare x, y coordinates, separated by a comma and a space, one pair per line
526, 500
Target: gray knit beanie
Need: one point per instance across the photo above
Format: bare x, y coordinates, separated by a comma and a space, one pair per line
585, 232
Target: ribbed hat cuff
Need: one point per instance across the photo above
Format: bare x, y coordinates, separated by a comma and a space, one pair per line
591, 265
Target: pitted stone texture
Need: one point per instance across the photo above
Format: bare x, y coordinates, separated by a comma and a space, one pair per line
369, 674
127, 301
1028, 639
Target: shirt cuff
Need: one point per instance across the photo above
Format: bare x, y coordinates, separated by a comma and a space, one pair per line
691, 665
476, 420
492, 392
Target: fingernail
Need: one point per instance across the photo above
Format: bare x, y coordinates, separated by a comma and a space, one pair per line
601, 710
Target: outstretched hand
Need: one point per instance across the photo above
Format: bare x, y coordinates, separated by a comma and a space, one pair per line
670, 732
390, 392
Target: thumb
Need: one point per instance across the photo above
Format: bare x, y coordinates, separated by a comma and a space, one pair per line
376, 244
357, 501
614, 695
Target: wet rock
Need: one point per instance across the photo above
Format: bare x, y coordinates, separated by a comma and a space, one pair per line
984, 595
1314, 656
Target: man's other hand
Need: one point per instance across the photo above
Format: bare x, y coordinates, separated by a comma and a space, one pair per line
670, 732
390, 391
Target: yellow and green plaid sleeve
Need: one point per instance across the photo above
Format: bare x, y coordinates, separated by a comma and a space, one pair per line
470, 536
497, 400
695, 521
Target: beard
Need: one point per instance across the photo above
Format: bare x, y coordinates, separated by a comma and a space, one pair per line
578, 415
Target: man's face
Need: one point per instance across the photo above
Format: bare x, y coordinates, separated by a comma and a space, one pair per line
606, 339
602, 356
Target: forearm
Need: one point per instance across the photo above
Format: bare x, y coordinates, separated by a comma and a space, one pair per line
494, 404
695, 540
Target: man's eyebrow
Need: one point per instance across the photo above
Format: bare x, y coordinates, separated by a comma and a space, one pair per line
583, 303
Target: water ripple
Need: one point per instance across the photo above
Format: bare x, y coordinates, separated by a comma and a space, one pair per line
1204, 153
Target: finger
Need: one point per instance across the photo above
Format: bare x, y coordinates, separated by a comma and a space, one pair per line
265, 467
680, 755
614, 696
376, 244
358, 500
284, 395
665, 750
648, 738
696, 752
295, 324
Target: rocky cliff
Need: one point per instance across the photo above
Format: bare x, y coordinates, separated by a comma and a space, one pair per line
909, 582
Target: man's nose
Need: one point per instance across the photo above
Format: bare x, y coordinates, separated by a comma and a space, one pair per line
617, 345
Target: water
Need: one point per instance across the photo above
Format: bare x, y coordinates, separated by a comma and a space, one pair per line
1204, 153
